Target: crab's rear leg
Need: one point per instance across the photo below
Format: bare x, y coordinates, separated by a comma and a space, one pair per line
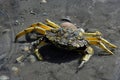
28, 30
40, 24
86, 56
38, 27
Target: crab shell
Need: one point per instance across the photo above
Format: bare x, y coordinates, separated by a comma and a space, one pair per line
66, 38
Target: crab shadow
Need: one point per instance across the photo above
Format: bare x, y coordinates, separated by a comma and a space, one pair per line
53, 54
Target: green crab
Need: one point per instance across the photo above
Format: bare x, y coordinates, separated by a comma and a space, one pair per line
69, 39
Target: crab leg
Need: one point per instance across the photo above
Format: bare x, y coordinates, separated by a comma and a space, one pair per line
98, 42
97, 33
37, 45
108, 43
52, 24
88, 53
40, 24
97, 36
28, 30
102, 40
101, 45
39, 56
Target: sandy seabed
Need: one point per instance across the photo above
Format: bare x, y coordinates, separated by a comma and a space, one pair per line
16, 15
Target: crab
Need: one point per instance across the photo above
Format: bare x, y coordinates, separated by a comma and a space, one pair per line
69, 39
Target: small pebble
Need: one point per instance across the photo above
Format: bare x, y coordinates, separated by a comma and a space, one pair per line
15, 70
32, 12
5, 30
45, 14
20, 59
4, 77
17, 22
32, 58
26, 48
66, 19
43, 1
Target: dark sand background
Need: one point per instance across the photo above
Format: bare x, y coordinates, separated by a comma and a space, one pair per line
16, 15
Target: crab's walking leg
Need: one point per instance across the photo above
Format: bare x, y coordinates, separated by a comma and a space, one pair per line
97, 33
52, 24
97, 36
39, 27
108, 43
40, 24
101, 45
28, 30
39, 56
87, 54
99, 42
36, 46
